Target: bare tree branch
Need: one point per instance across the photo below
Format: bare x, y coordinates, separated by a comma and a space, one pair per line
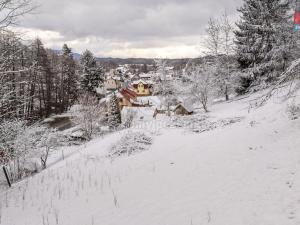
12, 10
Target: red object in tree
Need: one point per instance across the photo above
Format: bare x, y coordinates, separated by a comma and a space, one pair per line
297, 18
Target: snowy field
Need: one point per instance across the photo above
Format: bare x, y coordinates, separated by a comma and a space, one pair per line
234, 166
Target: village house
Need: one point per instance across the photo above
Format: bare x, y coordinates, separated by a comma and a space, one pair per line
127, 98
142, 88
113, 83
183, 109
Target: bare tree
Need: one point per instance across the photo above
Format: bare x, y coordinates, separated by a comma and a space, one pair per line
227, 35
164, 87
213, 41
12, 75
88, 114
20, 144
49, 141
199, 83
225, 77
12, 57
34, 82
12, 10
220, 45
129, 117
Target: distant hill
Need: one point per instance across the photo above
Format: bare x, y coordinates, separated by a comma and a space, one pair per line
76, 56
123, 61
120, 61
148, 61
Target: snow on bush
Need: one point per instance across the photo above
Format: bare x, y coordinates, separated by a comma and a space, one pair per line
88, 115
199, 124
128, 115
130, 143
9, 131
25, 149
48, 141
293, 111
200, 84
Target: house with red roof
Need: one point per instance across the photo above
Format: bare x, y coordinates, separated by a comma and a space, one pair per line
127, 98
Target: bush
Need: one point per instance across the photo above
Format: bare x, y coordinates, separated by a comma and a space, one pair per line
293, 111
10, 131
25, 149
128, 117
88, 115
131, 143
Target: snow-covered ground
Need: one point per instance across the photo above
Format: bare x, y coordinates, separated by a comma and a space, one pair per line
242, 172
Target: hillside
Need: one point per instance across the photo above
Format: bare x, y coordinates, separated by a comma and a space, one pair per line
236, 165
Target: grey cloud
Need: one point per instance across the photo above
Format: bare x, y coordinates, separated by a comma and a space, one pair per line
127, 19
151, 22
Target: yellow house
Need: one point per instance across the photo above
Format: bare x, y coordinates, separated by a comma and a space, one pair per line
142, 88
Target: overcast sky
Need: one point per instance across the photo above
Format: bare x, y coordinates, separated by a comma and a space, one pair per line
126, 28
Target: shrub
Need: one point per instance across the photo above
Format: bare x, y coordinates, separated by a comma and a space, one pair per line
131, 143
293, 111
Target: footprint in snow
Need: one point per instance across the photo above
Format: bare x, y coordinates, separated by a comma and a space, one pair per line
289, 184
291, 215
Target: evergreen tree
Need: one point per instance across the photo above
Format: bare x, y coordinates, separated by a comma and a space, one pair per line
276, 60
69, 79
92, 76
263, 38
114, 114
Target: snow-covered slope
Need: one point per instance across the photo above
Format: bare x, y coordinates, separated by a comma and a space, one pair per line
246, 172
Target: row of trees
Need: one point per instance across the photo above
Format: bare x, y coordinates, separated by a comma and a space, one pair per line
254, 53
37, 82
259, 48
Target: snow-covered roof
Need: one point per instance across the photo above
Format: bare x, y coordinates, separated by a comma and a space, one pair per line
187, 105
132, 75
153, 100
145, 75
140, 81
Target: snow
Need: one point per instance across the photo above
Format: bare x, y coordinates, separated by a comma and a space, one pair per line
153, 100
187, 104
145, 75
140, 81
246, 172
131, 143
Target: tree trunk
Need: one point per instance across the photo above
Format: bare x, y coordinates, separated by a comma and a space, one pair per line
226, 93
